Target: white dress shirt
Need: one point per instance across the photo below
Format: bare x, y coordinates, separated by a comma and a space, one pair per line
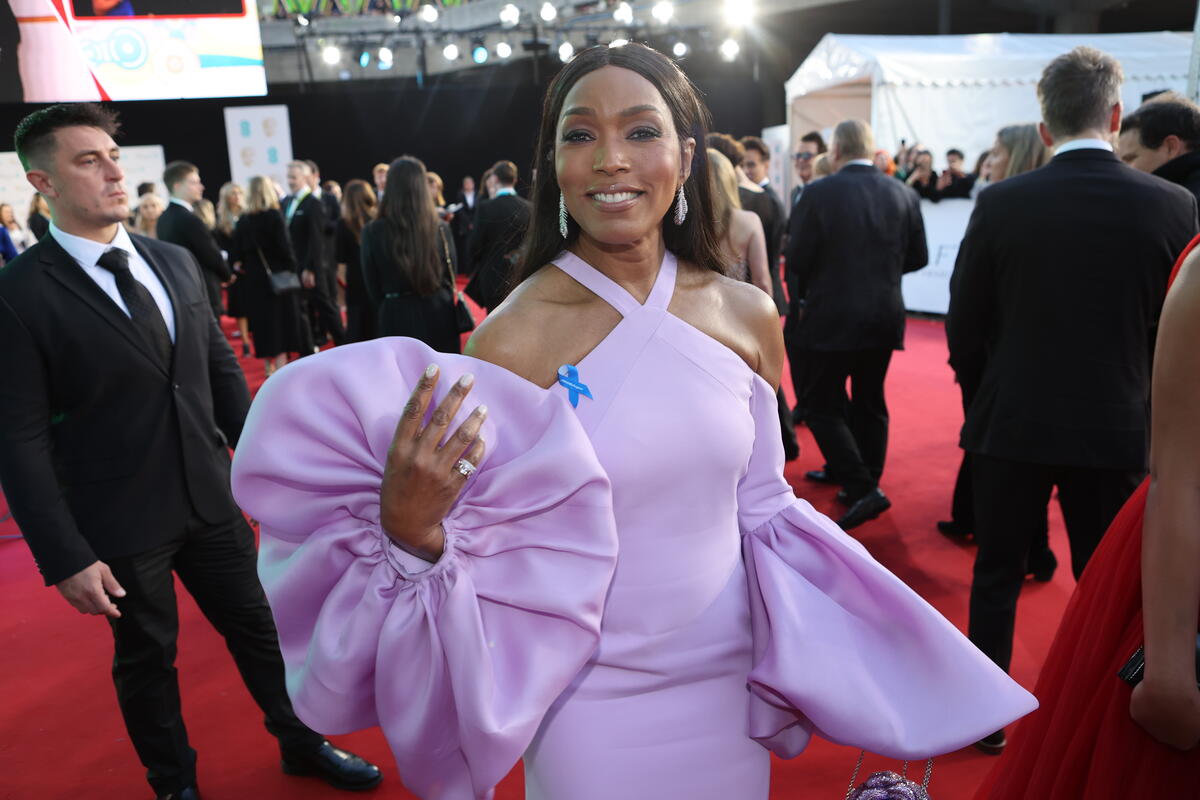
1083, 144
860, 162
87, 252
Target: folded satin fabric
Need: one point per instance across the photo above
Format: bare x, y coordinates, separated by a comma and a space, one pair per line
457, 661
842, 647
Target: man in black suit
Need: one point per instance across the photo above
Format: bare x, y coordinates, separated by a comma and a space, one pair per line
306, 221
851, 238
1054, 301
332, 209
464, 217
179, 225
120, 400
1163, 138
500, 225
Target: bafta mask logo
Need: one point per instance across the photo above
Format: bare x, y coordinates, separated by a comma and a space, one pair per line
270, 126
248, 156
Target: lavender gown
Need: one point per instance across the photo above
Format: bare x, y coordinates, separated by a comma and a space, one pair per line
631, 597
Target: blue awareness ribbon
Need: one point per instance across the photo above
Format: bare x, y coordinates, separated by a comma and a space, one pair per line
568, 378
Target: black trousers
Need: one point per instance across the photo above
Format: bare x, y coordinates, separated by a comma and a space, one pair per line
795, 353
217, 565
323, 314
1010, 512
851, 429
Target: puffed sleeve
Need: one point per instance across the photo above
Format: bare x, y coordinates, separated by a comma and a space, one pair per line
457, 661
842, 647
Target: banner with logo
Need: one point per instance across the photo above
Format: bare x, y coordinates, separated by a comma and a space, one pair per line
260, 142
928, 289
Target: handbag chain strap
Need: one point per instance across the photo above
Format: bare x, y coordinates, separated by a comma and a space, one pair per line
903, 773
449, 266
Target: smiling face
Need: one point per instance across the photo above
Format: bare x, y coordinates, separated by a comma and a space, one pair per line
83, 181
618, 159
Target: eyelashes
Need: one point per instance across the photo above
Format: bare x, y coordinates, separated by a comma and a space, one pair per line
643, 134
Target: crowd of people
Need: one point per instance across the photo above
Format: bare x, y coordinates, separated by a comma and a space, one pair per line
1055, 321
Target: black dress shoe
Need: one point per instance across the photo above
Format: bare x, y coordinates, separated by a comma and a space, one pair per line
819, 476
190, 793
1042, 565
842, 497
798, 414
954, 530
993, 744
865, 508
336, 767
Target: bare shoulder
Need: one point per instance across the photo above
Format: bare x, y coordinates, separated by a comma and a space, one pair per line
519, 335
738, 314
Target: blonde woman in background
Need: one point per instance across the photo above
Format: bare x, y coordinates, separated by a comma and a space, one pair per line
822, 167
741, 232
261, 243
21, 237
38, 221
436, 194
230, 205
149, 209
1018, 148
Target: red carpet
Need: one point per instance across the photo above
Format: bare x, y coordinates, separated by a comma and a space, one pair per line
61, 735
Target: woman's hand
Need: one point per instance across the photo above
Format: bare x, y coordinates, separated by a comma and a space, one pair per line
421, 480
1169, 714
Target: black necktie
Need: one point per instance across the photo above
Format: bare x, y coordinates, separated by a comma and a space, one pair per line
142, 309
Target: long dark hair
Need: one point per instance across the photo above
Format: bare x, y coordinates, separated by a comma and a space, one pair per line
696, 239
412, 221
358, 206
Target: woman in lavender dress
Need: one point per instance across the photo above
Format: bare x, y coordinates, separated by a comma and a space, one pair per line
603, 571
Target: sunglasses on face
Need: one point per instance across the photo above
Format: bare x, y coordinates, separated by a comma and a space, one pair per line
804, 156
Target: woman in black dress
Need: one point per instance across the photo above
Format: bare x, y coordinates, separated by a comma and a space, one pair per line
231, 203
277, 325
408, 262
358, 209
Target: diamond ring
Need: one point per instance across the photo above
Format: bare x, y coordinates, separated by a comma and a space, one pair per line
464, 467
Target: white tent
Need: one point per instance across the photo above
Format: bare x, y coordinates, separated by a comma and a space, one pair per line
956, 91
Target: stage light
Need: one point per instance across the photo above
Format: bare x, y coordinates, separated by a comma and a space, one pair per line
565, 51
450, 52
548, 12
680, 49
397, 19
428, 13
385, 57
331, 54
364, 59
510, 15
503, 50
624, 13
729, 49
302, 20
739, 13
618, 43
479, 53
663, 11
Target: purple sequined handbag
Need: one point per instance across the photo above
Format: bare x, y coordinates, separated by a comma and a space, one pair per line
888, 785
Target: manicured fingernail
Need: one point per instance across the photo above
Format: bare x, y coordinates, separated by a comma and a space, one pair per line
431, 370
481, 411
466, 380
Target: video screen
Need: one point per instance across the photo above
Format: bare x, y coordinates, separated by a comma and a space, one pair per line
129, 50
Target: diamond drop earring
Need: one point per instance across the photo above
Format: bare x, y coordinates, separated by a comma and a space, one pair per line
681, 208
562, 215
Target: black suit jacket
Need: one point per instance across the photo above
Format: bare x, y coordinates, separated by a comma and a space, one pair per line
851, 238
179, 226
500, 224
103, 453
332, 211
307, 232
1055, 300
1184, 170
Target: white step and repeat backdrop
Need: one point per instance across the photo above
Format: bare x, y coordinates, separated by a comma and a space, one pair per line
260, 143
142, 163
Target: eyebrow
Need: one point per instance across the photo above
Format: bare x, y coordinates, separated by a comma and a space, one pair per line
94, 152
632, 111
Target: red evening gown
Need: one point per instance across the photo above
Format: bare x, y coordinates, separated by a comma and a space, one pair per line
1082, 741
